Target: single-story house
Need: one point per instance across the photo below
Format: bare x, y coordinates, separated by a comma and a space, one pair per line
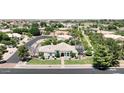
64, 29
64, 37
121, 29
69, 25
5, 30
62, 48
59, 32
95, 29
110, 34
15, 35
42, 30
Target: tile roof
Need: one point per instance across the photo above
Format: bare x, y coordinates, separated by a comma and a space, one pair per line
63, 47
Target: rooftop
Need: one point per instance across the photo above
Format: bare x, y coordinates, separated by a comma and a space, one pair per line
14, 35
64, 36
60, 47
5, 30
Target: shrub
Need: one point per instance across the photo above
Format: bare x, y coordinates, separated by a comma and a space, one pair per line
88, 53
72, 54
57, 55
41, 54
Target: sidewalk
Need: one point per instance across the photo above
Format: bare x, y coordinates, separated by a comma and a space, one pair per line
25, 66
7, 65
121, 66
58, 66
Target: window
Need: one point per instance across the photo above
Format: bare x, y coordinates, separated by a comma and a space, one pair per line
67, 54
50, 54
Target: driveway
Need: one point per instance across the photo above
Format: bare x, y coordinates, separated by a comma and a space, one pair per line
15, 59
8, 54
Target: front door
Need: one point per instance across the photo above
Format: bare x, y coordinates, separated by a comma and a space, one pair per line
62, 54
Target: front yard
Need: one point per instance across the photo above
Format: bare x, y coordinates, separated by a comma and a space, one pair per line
36, 61
87, 60
40, 61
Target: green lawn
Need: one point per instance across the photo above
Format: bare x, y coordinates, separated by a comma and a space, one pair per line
39, 61
87, 60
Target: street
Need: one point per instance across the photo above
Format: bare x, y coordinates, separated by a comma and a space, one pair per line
60, 71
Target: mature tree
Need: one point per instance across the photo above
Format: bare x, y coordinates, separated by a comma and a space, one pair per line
1, 55
122, 51
4, 36
35, 24
17, 30
34, 30
88, 52
59, 25
72, 54
13, 42
119, 23
96, 38
94, 25
20, 30
119, 33
115, 50
43, 24
50, 41
102, 58
41, 54
23, 52
1, 36
2, 51
49, 29
112, 27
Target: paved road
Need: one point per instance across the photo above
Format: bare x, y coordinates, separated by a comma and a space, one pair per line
60, 71
15, 59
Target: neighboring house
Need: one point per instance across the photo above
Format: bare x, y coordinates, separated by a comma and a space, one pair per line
115, 37
5, 30
2, 44
64, 29
42, 30
105, 32
15, 35
121, 29
69, 25
63, 49
60, 32
110, 34
95, 29
63, 37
